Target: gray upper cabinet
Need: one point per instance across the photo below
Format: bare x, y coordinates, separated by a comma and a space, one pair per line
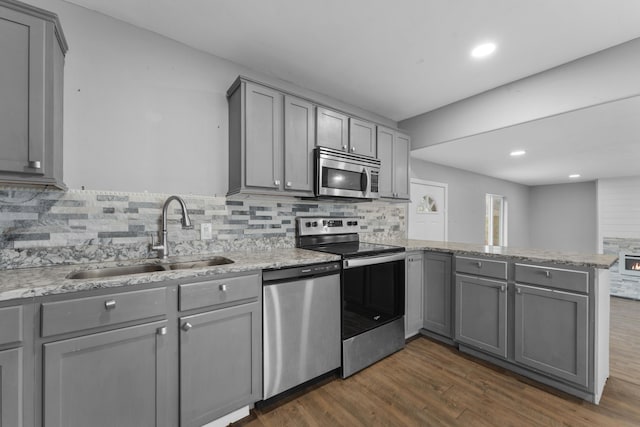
362, 137
437, 294
263, 138
299, 141
32, 47
551, 332
481, 313
393, 151
271, 141
341, 132
114, 378
332, 129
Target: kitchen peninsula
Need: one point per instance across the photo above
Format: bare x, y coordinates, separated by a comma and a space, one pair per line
549, 320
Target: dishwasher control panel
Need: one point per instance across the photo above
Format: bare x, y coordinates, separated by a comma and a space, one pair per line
299, 272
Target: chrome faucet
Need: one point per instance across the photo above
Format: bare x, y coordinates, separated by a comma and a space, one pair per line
163, 247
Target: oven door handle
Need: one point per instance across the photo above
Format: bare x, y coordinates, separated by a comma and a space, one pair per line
361, 262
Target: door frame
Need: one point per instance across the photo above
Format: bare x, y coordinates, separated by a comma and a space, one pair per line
445, 186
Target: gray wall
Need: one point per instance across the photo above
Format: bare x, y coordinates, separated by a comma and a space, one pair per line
564, 217
466, 210
143, 112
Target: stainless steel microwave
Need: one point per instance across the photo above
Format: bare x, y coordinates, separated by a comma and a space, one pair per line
342, 174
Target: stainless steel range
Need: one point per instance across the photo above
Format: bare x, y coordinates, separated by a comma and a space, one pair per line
372, 289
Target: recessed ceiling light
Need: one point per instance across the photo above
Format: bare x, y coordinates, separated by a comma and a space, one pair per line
517, 153
574, 175
483, 50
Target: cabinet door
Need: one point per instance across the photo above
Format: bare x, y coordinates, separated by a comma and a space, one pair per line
11, 387
385, 154
362, 137
263, 138
299, 140
437, 294
401, 147
413, 292
114, 378
220, 362
481, 313
332, 129
552, 332
22, 104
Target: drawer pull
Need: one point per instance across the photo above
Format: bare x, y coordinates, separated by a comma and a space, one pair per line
479, 264
223, 288
547, 274
502, 288
187, 326
518, 291
110, 305
162, 331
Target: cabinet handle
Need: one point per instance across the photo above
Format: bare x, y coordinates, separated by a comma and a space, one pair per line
502, 288
479, 264
187, 326
344, 148
162, 331
288, 183
223, 288
110, 305
353, 149
34, 164
547, 274
276, 182
518, 291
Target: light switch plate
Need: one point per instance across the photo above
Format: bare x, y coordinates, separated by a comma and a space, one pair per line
205, 231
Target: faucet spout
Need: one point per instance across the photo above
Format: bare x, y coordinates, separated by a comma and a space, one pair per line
163, 247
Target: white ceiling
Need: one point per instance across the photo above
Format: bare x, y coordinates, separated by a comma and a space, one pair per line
395, 58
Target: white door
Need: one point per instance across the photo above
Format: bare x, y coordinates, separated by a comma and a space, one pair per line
428, 210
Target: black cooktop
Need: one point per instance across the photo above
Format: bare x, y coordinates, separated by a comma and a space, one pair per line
356, 249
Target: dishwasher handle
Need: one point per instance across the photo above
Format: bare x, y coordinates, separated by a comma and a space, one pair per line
380, 259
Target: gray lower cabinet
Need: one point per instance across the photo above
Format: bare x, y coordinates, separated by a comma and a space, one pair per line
481, 313
413, 293
11, 387
114, 378
437, 294
393, 151
218, 370
220, 349
551, 332
32, 48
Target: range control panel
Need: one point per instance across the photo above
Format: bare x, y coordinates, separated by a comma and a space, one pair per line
322, 225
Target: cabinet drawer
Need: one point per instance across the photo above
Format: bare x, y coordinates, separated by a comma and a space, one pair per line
481, 267
219, 291
11, 321
91, 312
559, 278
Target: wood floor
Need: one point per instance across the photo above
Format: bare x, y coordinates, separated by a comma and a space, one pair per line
429, 384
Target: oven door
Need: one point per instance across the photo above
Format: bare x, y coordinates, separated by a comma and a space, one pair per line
340, 177
372, 292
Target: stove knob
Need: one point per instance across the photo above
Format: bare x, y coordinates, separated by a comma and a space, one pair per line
315, 223
355, 222
307, 224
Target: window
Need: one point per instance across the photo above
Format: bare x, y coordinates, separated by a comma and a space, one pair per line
496, 221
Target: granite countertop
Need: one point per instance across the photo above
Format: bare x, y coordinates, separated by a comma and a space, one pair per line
42, 281
517, 254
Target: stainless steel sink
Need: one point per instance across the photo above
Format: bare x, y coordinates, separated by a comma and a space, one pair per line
115, 271
217, 260
99, 273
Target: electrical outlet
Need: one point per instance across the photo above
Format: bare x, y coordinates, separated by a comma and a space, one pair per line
205, 231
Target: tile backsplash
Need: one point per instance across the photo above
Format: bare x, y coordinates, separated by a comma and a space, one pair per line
47, 227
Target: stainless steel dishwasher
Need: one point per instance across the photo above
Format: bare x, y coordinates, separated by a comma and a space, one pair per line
301, 325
